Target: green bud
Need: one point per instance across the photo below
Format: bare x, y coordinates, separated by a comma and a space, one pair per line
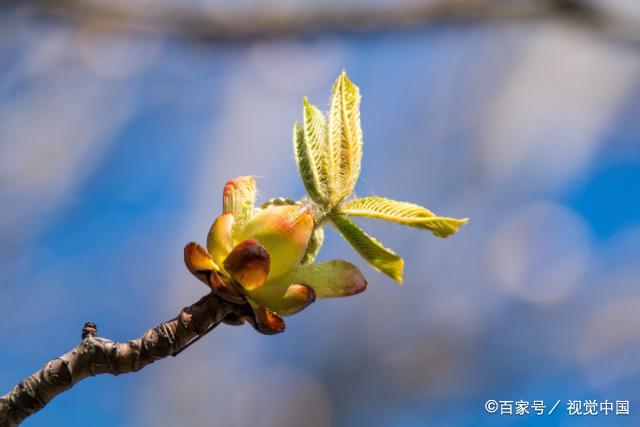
284, 231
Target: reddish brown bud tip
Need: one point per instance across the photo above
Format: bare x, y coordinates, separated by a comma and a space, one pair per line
266, 321
199, 262
248, 263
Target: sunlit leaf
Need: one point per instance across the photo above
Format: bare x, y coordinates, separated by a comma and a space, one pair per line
335, 278
371, 250
309, 141
343, 153
238, 198
314, 246
284, 300
220, 239
404, 213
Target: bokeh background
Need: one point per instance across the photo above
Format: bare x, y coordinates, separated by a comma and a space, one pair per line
121, 121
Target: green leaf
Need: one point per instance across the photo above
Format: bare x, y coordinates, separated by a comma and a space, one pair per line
371, 250
309, 144
344, 151
238, 198
220, 239
404, 213
335, 278
285, 300
314, 246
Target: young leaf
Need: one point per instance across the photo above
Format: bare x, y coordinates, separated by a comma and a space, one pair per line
314, 246
308, 143
285, 300
371, 250
404, 213
220, 239
329, 279
344, 149
238, 198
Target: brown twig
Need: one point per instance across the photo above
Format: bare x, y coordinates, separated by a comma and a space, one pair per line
211, 25
95, 355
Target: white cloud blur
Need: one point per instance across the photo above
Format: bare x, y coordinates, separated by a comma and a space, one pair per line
547, 123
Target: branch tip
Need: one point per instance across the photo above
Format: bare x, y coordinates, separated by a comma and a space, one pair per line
89, 330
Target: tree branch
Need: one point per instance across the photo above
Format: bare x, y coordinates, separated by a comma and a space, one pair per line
95, 355
211, 25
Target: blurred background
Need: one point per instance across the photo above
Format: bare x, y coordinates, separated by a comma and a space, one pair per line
120, 121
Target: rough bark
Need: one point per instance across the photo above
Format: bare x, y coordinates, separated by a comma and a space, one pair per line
95, 355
